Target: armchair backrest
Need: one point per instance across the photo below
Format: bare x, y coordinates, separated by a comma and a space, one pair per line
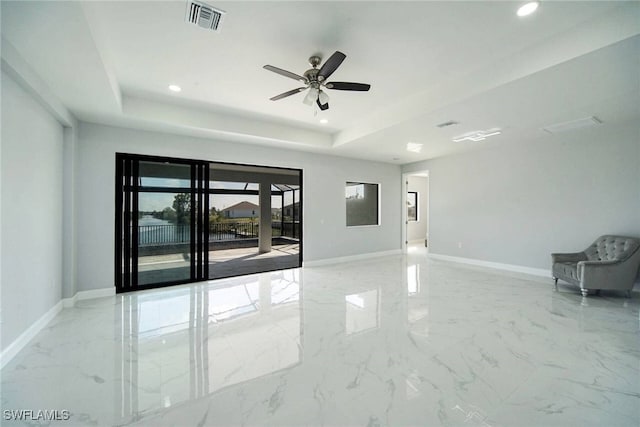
612, 248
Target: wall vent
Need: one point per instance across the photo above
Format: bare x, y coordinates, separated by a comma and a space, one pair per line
572, 124
204, 16
446, 124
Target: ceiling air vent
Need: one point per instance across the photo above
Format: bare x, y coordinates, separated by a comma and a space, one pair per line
572, 124
447, 124
204, 16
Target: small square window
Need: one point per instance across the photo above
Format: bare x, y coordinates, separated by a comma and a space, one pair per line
362, 201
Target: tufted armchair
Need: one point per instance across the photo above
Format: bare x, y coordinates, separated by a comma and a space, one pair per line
611, 262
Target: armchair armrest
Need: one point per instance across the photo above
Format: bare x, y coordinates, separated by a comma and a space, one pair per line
596, 274
568, 257
588, 265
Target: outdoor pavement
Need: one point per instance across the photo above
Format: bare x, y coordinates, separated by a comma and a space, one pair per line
222, 263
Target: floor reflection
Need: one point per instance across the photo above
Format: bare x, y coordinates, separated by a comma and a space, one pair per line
418, 302
189, 342
362, 311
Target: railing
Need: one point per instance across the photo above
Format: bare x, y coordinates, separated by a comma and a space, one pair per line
166, 234
233, 230
163, 234
286, 229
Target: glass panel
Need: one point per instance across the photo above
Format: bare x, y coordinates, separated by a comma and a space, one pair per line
170, 175
164, 237
412, 206
228, 185
290, 213
362, 203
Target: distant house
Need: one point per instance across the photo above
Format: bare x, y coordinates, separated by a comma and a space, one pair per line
292, 210
242, 210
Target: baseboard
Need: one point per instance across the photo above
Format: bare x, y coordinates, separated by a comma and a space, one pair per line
30, 333
83, 295
350, 258
494, 265
21, 342
96, 293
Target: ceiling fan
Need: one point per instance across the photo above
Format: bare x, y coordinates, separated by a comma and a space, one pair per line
315, 80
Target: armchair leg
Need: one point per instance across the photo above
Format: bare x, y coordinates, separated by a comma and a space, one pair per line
629, 293
585, 292
555, 283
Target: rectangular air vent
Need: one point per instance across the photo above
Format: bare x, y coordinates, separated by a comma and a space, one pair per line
447, 124
203, 15
572, 124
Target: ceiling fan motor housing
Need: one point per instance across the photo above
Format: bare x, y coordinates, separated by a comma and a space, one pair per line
312, 75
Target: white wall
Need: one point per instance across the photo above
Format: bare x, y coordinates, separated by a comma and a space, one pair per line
324, 221
69, 284
32, 163
417, 230
516, 202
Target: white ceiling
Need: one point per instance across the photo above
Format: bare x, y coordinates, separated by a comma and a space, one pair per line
428, 62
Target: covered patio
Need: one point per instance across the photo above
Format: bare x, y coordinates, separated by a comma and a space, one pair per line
222, 262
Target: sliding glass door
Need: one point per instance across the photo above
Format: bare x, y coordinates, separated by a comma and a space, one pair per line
180, 221
160, 222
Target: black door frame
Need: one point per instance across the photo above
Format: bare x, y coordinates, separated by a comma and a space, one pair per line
127, 190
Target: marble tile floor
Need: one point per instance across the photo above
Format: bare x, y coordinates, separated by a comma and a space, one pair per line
400, 340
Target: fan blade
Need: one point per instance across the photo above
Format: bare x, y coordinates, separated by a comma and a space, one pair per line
285, 73
348, 86
322, 106
331, 65
288, 93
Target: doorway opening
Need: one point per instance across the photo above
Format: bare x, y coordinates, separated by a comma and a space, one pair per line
415, 212
254, 219
181, 221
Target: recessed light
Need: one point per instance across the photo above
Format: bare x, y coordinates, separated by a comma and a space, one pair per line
414, 147
324, 121
175, 88
528, 8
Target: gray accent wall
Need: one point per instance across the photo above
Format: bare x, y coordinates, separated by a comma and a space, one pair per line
32, 211
325, 232
516, 202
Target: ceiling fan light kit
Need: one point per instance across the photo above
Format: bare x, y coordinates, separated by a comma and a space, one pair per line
316, 80
312, 95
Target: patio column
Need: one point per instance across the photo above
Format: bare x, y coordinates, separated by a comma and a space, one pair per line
264, 234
